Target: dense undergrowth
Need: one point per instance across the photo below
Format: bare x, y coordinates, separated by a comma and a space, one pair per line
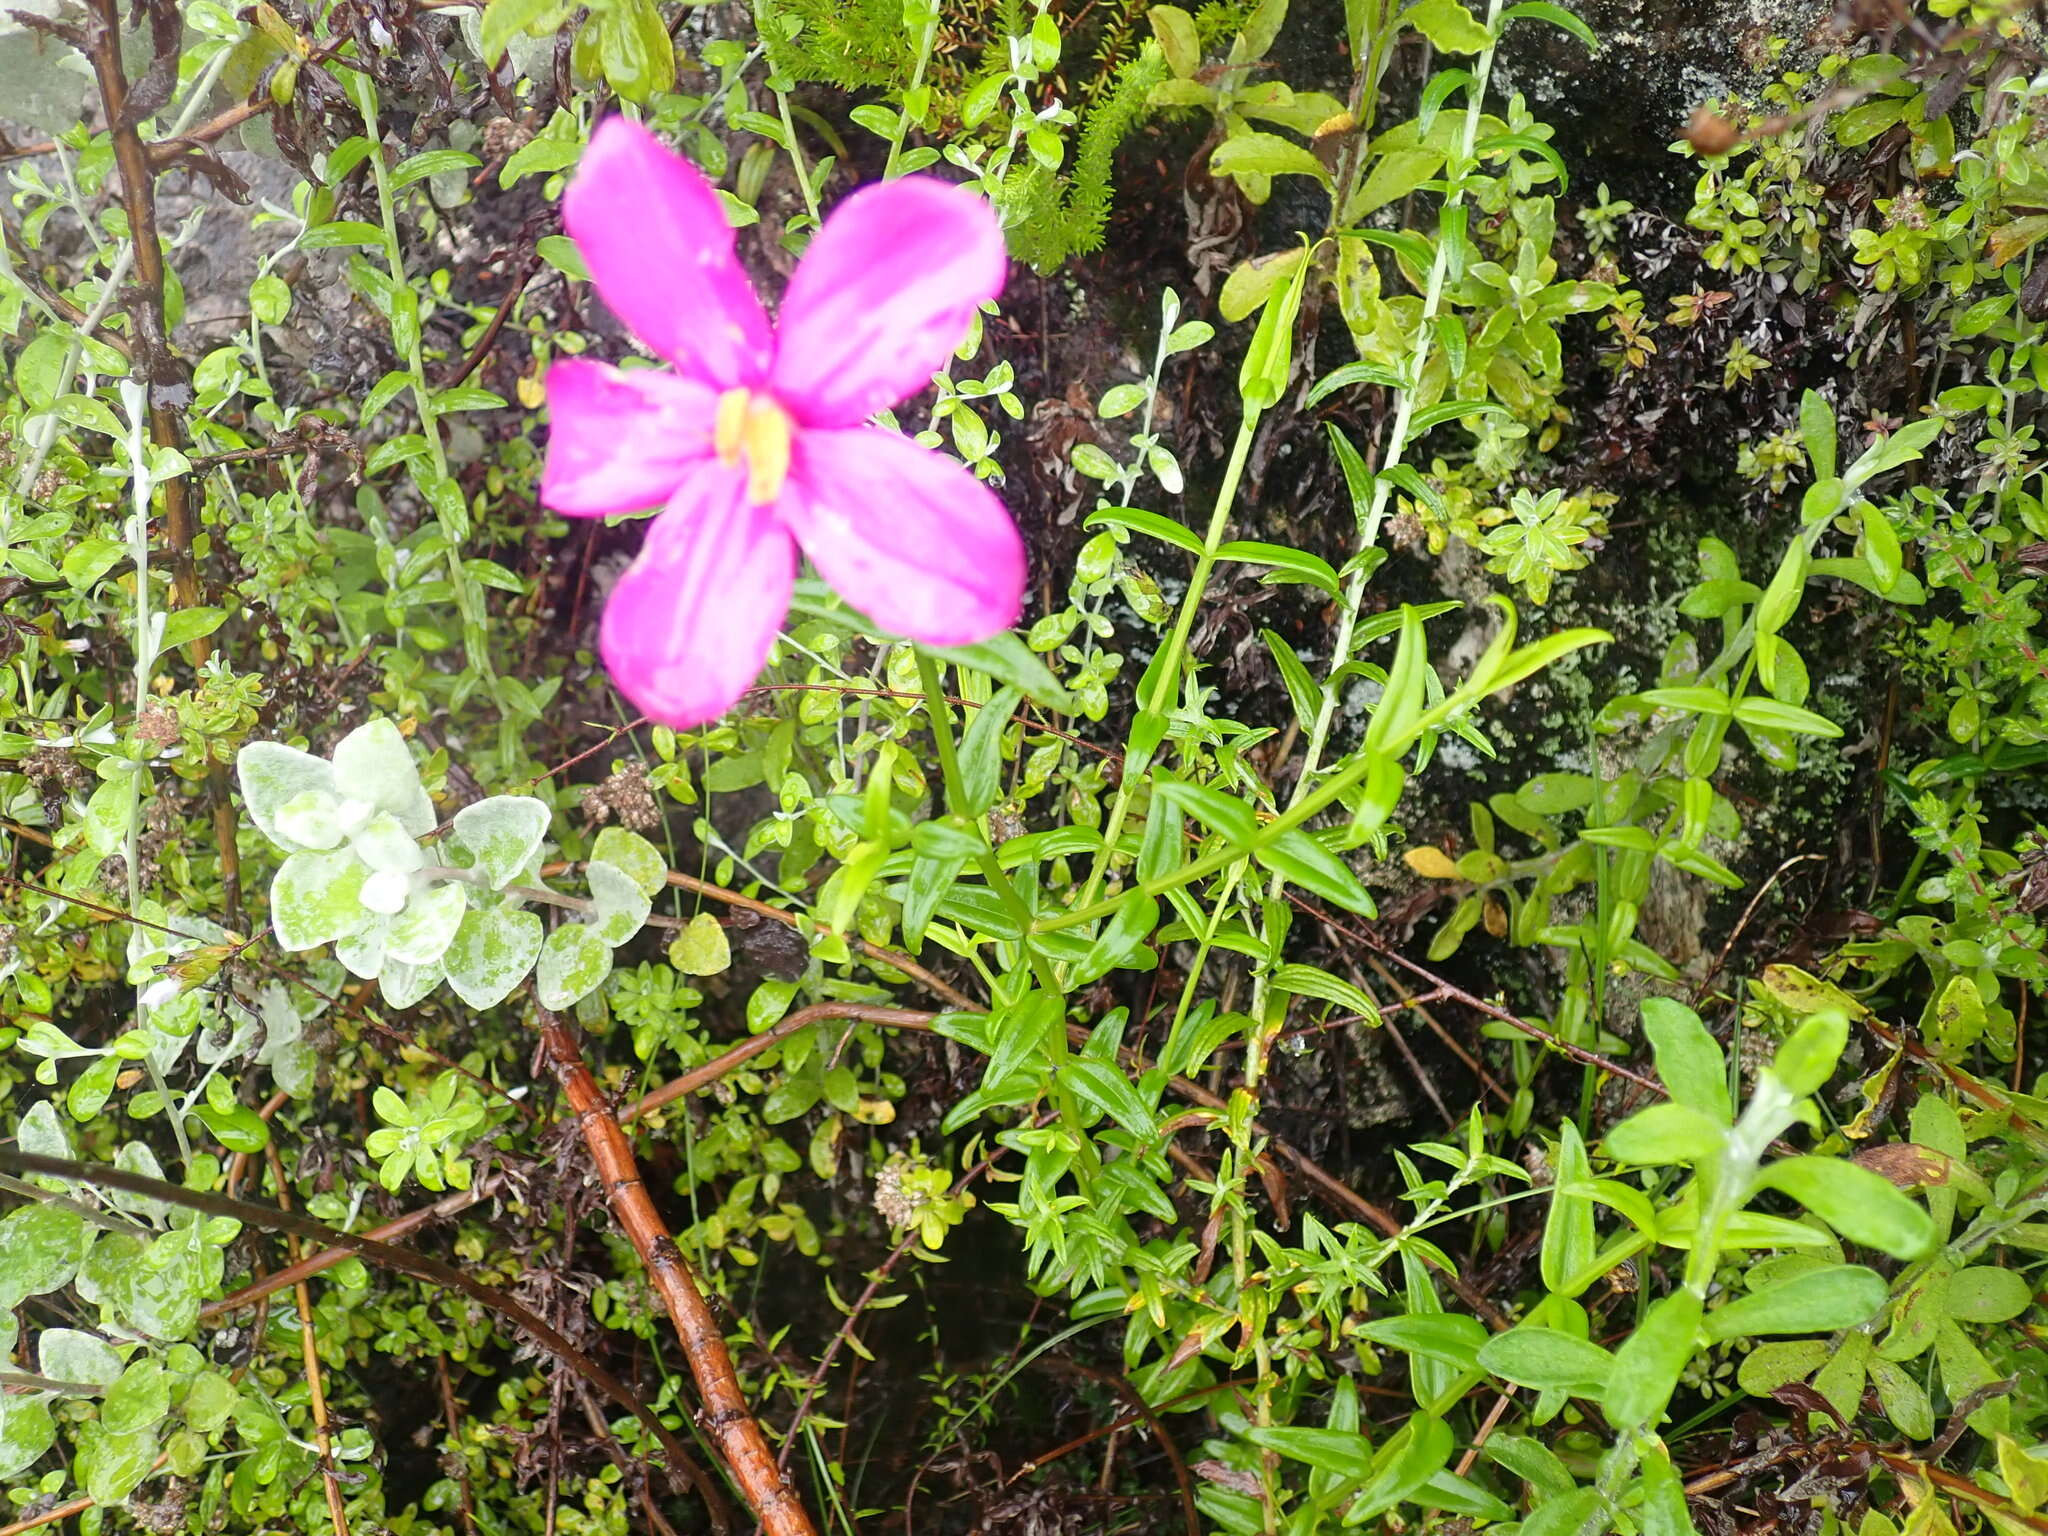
1473, 962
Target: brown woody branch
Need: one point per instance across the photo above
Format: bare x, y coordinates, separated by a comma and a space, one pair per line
726, 1417
164, 378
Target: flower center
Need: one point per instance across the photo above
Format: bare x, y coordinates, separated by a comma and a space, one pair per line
753, 427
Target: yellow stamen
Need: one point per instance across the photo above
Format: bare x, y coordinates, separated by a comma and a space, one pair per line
755, 428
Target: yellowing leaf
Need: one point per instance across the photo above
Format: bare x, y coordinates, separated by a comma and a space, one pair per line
702, 949
1431, 863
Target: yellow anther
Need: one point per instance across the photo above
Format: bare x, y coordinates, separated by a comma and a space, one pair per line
755, 428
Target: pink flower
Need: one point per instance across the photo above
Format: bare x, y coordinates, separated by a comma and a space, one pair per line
756, 444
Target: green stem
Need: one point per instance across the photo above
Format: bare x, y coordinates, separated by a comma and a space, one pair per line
1166, 685
1168, 663
466, 603
926, 37
1301, 811
956, 799
796, 155
1404, 415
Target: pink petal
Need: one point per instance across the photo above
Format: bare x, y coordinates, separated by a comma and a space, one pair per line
907, 536
687, 627
882, 295
654, 236
621, 441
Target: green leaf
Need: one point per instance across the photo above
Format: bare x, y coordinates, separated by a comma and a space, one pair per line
1556, 15
273, 776
1446, 1337
40, 1246
1808, 1056
1178, 40
492, 953
1768, 1367
542, 155
1542, 149
1984, 1293
574, 962
27, 1430
1416, 1452
90, 559
1817, 431
432, 162
1534, 1463
981, 751
1449, 25
1345, 377
1252, 283
1394, 175
560, 252
1822, 1300
702, 948
341, 232
1313, 981
1344, 1454
1569, 1236
1300, 858
634, 854
1688, 1058
1151, 524
502, 836
1667, 1133
1400, 704
1103, 1086
1782, 595
1007, 659
1650, 1361
1303, 691
1262, 377
1265, 154
111, 1466
317, 898
138, 1400
1286, 564
1775, 715
1881, 547
373, 763
634, 49
421, 934
1863, 1206
1579, 1513
622, 907
67, 1354
504, 20
1452, 410
1548, 1360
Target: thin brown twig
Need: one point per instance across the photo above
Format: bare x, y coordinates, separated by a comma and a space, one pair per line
712, 1070
1451, 1042
327, 1258
309, 1355
727, 1418
406, 1261
888, 957
165, 152
465, 1498
1458, 994
488, 339
877, 1278
1121, 1386
1742, 923
1334, 1189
